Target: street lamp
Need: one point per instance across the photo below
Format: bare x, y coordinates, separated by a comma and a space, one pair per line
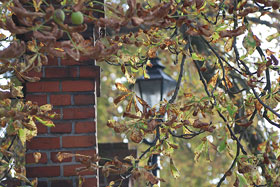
157, 87
153, 91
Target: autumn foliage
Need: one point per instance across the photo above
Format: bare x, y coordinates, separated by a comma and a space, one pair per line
240, 88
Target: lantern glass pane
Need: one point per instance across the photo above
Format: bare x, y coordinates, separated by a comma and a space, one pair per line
168, 89
151, 91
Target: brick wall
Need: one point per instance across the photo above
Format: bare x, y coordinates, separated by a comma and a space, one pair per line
71, 87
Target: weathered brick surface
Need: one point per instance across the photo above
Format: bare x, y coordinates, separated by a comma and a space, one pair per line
90, 182
84, 99
43, 171
39, 99
43, 86
61, 72
85, 126
64, 127
78, 113
78, 141
43, 143
61, 99
77, 85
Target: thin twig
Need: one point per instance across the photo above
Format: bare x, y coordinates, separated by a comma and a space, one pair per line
178, 85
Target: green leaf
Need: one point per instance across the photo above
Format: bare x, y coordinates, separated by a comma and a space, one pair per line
174, 171
22, 135
222, 145
249, 43
197, 57
231, 110
198, 151
242, 181
47, 123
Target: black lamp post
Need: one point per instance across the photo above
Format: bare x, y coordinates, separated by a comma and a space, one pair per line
153, 91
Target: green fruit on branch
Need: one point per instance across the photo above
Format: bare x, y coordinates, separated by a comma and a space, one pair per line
77, 18
59, 16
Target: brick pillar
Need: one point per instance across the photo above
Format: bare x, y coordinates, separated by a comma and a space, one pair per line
71, 87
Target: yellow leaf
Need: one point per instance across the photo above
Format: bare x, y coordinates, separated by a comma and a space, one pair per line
46, 107
31, 45
121, 87
213, 80
229, 83
59, 49
37, 4
229, 44
37, 156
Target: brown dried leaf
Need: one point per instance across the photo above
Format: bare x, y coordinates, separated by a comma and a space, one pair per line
136, 21
171, 121
247, 11
131, 8
199, 4
150, 177
120, 98
136, 135
231, 33
247, 124
15, 50
61, 156
258, 106
141, 101
199, 124
128, 107
133, 116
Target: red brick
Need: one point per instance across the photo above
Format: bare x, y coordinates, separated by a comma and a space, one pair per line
35, 74
90, 182
52, 61
41, 129
78, 85
42, 86
62, 128
61, 72
61, 183
89, 72
43, 171
84, 99
70, 170
55, 160
61, 99
85, 127
29, 158
78, 141
78, 113
39, 99
43, 143
69, 62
